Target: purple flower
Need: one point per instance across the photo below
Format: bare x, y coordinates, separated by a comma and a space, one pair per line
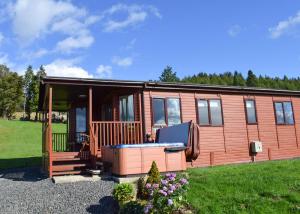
163, 192
172, 178
148, 186
170, 202
173, 175
164, 182
172, 187
168, 175
183, 181
147, 208
155, 186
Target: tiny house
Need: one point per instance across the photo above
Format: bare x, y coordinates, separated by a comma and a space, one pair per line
113, 112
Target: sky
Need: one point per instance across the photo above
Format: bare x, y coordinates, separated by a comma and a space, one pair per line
136, 40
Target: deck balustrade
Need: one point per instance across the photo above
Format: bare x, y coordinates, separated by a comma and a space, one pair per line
116, 132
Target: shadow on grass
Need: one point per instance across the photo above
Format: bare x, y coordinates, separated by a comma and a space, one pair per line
107, 205
21, 169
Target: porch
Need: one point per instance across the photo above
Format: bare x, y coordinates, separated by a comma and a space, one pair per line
96, 116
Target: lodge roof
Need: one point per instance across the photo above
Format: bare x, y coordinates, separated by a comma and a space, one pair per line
153, 85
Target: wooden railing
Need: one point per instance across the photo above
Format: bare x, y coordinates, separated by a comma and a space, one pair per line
60, 142
116, 132
66, 142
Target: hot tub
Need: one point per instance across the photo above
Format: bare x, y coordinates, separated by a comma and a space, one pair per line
137, 159
168, 153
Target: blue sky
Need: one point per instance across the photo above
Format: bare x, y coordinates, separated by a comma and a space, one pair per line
137, 39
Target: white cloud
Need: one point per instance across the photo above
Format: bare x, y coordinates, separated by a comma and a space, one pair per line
35, 54
4, 59
234, 30
123, 62
135, 14
66, 68
33, 19
285, 27
70, 43
104, 71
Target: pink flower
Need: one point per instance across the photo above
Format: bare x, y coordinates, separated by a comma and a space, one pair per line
155, 186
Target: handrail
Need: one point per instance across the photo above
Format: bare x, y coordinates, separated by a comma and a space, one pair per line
116, 132
93, 122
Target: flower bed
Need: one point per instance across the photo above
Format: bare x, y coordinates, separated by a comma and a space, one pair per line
158, 194
167, 197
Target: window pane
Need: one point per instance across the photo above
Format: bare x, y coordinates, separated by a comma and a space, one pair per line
203, 112
288, 113
215, 112
173, 106
80, 120
122, 106
130, 111
159, 112
279, 113
250, 109
126, 108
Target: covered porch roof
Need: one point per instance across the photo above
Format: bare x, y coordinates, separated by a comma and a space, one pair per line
69, 90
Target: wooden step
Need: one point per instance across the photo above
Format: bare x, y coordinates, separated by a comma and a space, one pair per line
74, 172
66, 159
69, 167
65, 156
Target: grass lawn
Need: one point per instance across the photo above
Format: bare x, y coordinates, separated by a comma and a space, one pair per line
267, 187
21, 143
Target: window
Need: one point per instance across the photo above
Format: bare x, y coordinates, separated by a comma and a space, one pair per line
250, 111
173, 109
80, 124
126, 108
80, 120
210, 112
284, 113
159, 117
166, 111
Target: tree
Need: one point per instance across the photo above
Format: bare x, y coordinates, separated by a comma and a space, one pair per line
35, 85
4, 70
10, 92
29, 90
251, 79
238, 79
168, 75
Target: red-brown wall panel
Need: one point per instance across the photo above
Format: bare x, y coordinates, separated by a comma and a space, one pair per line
230, 143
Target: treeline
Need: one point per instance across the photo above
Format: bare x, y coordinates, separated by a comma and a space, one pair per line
233, 79
19, 93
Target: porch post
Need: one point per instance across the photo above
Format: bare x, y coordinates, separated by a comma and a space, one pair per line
93, 147
50, 132
141, 118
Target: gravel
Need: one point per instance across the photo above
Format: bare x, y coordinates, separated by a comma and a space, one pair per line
27, 191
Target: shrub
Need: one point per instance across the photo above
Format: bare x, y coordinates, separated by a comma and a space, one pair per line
132, 207
141, 191
167, 196
123, 193
154, 175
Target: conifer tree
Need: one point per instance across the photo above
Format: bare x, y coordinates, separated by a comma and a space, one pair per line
168, 75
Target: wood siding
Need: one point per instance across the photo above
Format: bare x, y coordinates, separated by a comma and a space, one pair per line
230, 143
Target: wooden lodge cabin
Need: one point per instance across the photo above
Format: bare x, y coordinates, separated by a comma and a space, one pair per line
111, 112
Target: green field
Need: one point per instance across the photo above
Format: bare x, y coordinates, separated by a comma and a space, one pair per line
268, 187
21, 143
